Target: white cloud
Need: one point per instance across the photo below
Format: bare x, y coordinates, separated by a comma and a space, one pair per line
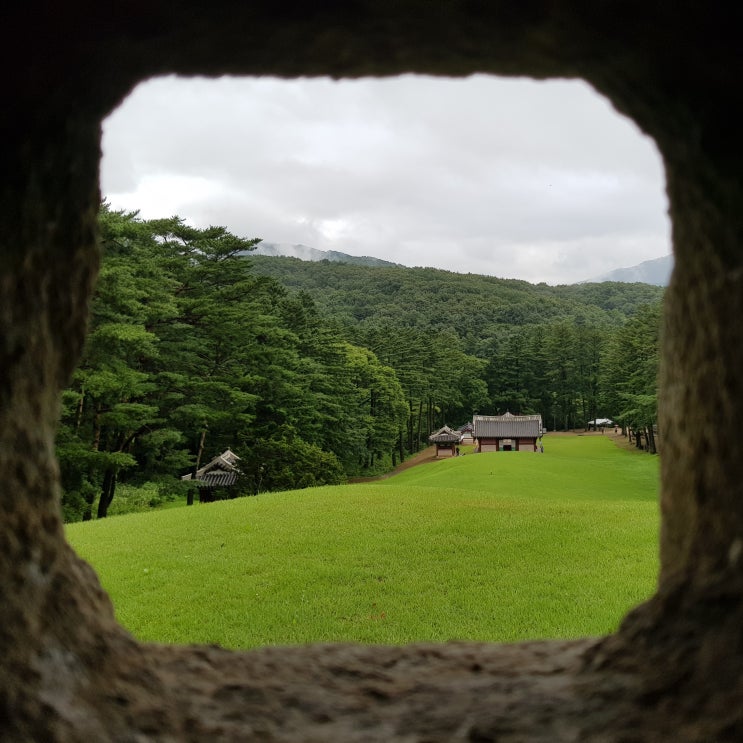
535, 180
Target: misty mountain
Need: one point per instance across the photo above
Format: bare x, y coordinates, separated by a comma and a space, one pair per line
656, 272
305, 253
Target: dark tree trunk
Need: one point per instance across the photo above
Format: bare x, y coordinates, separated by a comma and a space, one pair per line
420, 421
651, 439
108, 489
189, 497
96, 429
410, 426
80, 407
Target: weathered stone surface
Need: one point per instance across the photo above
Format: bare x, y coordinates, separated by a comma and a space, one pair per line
69, 673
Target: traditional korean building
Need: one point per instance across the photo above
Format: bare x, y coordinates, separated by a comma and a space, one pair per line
446, 441
467, 431
221, 473
507, 432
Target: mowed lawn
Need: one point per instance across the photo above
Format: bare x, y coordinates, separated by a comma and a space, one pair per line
494, 547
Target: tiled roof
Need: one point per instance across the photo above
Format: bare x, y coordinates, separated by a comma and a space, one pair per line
218, 479
507, 426
221, 471
445, 435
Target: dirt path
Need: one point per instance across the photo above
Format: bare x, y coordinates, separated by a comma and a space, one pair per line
422, 457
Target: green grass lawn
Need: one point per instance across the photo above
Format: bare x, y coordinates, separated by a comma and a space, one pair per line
495, 546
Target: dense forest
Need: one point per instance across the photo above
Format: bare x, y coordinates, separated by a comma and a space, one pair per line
571, 353
316, 372
475, 307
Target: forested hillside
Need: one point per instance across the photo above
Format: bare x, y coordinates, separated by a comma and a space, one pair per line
316, 372
472, 305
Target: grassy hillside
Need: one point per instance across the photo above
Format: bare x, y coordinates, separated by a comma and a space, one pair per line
494, 547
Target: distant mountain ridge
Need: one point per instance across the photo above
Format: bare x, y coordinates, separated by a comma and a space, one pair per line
656, 272
306, 253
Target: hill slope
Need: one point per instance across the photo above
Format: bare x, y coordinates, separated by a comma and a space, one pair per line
469, 303
492, 547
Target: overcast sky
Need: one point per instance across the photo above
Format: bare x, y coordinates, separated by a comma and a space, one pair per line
541, 181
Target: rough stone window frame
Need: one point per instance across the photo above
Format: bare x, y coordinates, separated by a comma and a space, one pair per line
69, 672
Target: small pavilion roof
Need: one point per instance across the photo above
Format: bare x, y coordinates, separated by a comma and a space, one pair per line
445, 435
221, 471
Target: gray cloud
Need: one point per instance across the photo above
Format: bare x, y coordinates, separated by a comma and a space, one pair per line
541, 181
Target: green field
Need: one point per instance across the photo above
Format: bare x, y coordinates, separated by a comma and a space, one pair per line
494, 547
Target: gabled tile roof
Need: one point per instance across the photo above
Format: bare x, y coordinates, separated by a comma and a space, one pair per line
218, 479
445, 435
220, 472
507, 426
